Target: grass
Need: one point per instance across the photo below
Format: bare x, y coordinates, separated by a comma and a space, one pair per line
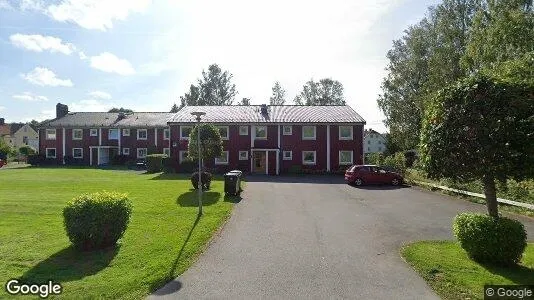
448, 270
163, 238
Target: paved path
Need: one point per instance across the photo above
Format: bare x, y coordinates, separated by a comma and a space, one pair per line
302, 238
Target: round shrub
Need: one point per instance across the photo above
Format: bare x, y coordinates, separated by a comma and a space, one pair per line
206, 180
154, 162
98, 220
488, 240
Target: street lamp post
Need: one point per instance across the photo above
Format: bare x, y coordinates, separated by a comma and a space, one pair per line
198, 115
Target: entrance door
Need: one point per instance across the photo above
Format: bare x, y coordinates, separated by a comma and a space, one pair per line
260, 164
94, 155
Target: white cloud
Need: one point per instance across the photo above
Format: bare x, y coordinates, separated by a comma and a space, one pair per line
100, 95
2, 108
82, 55
5, 5
45, 77
39, 43
31, 5
95, 14
91, 105
28, 96
46, 114
110, 63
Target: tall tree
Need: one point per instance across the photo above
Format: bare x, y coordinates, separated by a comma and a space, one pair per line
174, 108
278, 95
244, 101
123, 110
324, 92
216, 87
191, 98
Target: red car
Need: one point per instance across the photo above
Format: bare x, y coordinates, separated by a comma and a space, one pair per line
370, 174
2, 162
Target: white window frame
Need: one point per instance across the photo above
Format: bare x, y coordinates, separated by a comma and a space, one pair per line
81, 149
243, 132
342, 138
47, 135
290, 157
227, 132
109, 134
146, 152
93, 132
126, 151
290, 132
55, 153
314, 133
167, 151
181, 132
256, 131
314, 158
126, 132
146, 135
245, 157
346, 163
166, 134
74, 135
182, 158
225, 153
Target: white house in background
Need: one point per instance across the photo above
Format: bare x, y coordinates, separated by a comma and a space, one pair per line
373, 142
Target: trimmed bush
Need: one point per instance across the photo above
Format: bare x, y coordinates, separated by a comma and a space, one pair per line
120, 160
188, 166
154, 162
488, 240
71, 161
98, 220
170, 165
36, 160
206, 180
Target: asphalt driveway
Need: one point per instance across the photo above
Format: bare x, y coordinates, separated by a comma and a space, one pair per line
315, 237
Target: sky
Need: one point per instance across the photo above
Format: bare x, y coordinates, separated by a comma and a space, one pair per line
140, 54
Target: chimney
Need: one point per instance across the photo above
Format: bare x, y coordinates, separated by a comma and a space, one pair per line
61, 110
264, 109
2, 121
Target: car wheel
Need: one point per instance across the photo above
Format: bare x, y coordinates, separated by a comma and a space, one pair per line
358, 182
395, 181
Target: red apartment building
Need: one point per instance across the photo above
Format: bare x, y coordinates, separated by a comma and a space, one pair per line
258, 138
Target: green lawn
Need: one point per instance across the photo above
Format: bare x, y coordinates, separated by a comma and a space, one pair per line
161, 242
446, 267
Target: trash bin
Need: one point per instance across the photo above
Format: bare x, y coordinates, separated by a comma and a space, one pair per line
232, 182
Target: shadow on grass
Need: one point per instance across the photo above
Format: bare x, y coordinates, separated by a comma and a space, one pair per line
170, 176
169, 284
518, 274
232, 198
70, 264
190, 199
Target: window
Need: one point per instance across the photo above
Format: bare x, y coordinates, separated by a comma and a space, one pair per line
185, 131
308, 132
167, 151
77, 134
287, 130
345, 132
93, 132
125, 151
141, 152
223, 159
113, 134
260, 133
50, 152
369, 149
288, 155
308, 157
126, 132
243, 155
379, 142
166, 133
345, 157
379, 148
142, 134
51, 135
243, 130
369, 142
183, 156
77, 152
25, 140
223, 130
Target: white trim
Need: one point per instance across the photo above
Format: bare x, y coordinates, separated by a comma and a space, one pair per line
346, 163
278, 161
126, 130
78, 149
252, 129
266, 162
363, 152
93, 132
168, 131
124, 152
99, 142
314, 158
227, 132
328, 167
137, 150
227, 159
181, 155
290, 129
155, 137
266, 132
143, 139
46, 135
345, 138
241, 133
64, 144
246, 156
290, 155
98, 153
73, 135
182, 127
46, 153
109, 134
119, 141
314, 133
278, 136
168, 150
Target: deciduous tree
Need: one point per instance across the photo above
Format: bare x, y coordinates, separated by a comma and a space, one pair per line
278, 96
324, 92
